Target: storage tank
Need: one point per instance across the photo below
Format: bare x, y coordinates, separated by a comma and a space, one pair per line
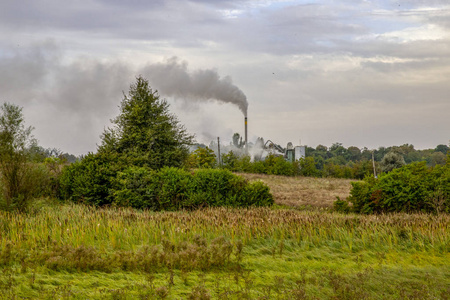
299, 152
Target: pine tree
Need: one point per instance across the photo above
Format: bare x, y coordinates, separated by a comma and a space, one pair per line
145, 133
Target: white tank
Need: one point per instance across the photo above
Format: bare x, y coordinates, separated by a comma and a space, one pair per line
300, 152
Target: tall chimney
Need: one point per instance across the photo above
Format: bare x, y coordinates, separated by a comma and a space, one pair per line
246, 145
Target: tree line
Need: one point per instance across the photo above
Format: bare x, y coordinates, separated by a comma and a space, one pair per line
334, 161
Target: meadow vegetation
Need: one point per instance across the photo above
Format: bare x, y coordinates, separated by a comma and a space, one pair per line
143, 219
306, 193
75, 251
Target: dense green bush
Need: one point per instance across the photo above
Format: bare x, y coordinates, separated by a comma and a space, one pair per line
166, 189
133, 188
216, 188
90, 180
272, 165
411, 188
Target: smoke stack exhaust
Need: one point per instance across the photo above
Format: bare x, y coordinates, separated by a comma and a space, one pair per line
246, 145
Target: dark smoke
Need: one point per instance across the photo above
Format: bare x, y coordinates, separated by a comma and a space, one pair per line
71, 101
173, 79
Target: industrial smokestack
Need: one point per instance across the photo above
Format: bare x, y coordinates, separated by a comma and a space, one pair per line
246, 145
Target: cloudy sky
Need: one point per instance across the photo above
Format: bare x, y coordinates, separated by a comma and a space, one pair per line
363, 73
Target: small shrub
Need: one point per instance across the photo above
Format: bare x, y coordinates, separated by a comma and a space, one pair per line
90, 180
341, 206
33, 180
256, 194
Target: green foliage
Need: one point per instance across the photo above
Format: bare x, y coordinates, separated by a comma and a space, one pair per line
76, 252
203, 158
361, 169
170, 186
54, 166
391, 161
166, 189
145, 133
90, 180
216, 188
145, 137
412, 188
273, 165
16, 175
341, 206
230, 161
444, 149
277, 165
233, 162
256, 194
438, 158
134, 188
308, 167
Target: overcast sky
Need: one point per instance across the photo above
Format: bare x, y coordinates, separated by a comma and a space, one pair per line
363, 73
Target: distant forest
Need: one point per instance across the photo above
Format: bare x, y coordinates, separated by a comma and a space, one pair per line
340, 155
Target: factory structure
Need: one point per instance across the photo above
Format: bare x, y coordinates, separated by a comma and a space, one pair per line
295, 153
291, 153
257, 151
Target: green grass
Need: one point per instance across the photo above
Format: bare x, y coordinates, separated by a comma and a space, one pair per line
79, 252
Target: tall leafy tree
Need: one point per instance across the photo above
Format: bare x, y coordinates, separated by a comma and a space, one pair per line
15, 140
442, 148
145, 133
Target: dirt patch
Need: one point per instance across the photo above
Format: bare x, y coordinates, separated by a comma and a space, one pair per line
304, 191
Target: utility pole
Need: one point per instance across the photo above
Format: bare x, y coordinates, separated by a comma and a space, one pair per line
218, 150
373, 163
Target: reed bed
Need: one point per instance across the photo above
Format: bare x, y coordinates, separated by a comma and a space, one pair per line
76, 252
127, 229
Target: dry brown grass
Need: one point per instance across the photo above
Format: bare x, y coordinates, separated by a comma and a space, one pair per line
304, 191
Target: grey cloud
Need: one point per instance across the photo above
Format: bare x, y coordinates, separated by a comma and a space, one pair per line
421, 49
77, 96
25, 70
160, 20
292, 29
187, 23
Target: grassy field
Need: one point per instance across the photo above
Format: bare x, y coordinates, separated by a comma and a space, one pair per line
77, 252
304, 192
